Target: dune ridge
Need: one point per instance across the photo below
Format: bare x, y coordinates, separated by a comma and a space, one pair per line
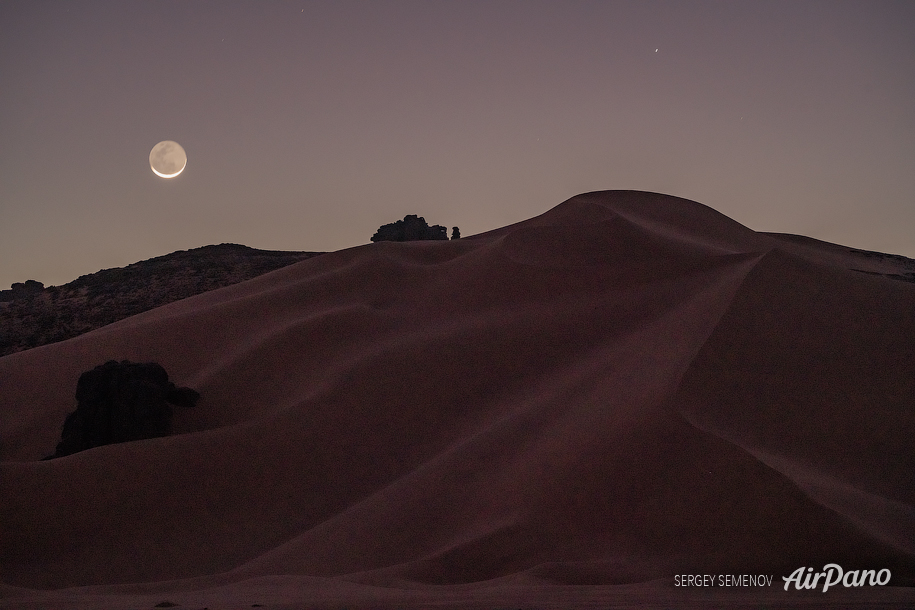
627, 387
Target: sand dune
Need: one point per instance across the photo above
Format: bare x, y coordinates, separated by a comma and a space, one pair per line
564, 412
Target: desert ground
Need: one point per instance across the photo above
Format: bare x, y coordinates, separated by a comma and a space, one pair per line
576, 411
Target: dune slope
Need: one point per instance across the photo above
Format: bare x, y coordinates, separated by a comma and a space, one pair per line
627, 387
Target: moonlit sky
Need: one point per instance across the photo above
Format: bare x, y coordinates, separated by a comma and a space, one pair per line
309, 124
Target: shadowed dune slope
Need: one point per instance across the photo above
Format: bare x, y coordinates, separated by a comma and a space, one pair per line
627, 387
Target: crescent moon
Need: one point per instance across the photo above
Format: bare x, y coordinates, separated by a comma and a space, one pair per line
167, 159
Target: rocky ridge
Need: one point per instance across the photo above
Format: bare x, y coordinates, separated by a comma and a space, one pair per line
32, 315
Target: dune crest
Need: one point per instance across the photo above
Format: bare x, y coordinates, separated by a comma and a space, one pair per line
627, 387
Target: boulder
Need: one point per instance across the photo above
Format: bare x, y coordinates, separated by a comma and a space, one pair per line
119, 402
411, 228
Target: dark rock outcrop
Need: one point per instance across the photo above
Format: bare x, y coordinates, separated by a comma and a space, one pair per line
31, 316
21, 290
411, 228
119, 402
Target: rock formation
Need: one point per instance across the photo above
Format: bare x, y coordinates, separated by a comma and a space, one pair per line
31, 316
21, 290
119, 402
411, 228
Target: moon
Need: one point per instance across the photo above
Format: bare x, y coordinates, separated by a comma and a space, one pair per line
167, 159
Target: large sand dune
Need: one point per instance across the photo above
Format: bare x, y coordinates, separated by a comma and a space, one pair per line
563, 412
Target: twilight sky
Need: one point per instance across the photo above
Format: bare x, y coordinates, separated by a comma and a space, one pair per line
309, 124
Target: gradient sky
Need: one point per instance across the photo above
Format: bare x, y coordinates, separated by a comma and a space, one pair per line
309, 124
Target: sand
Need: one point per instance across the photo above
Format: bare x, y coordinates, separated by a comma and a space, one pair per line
566, 412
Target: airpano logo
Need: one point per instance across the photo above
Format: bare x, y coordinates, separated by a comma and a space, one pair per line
833, 575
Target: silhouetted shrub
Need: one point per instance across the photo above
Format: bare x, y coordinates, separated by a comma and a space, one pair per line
455, 233
119, 402
411, 228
